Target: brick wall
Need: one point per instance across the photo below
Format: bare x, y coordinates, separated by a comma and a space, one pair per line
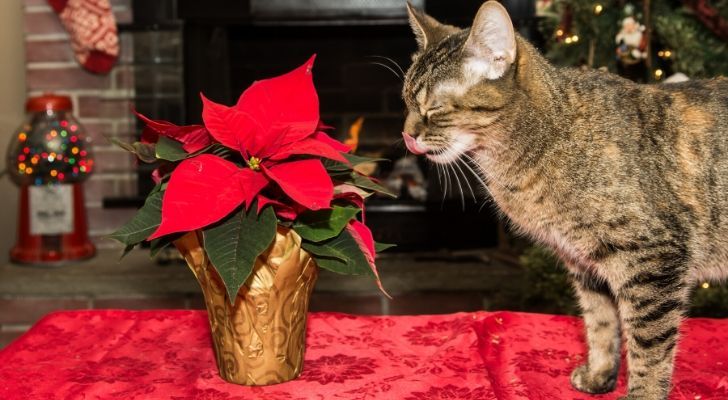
101, 102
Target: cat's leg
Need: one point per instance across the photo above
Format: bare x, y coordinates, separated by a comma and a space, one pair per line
651, 306
601, 321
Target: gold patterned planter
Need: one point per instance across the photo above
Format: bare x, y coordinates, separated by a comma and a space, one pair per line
260, 339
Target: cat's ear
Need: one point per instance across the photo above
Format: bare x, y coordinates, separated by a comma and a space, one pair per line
491, 46
427, 29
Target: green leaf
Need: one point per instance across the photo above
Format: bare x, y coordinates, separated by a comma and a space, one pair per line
320, 225
340, 254
127, 249
143, 151
170, 149
234, 244
159, 244
380, 247
323, 251
366, 183
356, 160
144, 223
335, 166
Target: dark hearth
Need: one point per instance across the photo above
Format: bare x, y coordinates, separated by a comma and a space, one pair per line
361, 47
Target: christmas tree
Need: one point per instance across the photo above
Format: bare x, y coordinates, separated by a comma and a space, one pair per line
646, 40
550, 289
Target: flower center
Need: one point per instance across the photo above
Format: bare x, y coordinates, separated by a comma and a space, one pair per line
254, 163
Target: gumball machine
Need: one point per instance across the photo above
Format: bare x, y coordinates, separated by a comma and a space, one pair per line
49, 159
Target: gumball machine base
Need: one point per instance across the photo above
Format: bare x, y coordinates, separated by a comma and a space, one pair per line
43, 244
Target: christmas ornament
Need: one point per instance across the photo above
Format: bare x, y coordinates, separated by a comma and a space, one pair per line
49, 159
631, 42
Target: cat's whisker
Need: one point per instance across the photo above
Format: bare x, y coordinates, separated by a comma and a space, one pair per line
446, 176
391, 61
460, 185
469, 162
387, 67
482, 183
465, 178
439, 179
445, 191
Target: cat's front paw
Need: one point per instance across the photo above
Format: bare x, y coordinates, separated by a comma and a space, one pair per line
584, 380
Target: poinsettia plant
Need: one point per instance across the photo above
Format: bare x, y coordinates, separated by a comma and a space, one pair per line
264, 162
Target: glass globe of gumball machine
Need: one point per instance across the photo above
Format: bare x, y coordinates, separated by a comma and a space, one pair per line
50, 158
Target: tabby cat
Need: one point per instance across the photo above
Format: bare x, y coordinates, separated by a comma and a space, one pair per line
628, 183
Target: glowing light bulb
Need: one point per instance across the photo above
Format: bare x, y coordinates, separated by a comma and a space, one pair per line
598, 8
658, 73
705, 285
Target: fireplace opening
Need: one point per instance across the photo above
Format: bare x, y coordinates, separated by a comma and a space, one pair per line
362, 47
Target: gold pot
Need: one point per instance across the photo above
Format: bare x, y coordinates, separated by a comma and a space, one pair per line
260, 338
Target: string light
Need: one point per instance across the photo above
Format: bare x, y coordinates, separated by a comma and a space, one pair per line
705, 285
571, 39
598, 8
59, 154
658, 74
559, 32
664, 54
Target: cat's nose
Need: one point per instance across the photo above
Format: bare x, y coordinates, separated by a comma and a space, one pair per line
413, 144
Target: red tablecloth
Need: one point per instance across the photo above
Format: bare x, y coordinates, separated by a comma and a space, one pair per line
474, 356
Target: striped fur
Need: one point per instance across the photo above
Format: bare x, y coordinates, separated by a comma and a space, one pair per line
628, 183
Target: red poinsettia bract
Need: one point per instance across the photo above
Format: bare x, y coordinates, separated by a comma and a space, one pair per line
274, 120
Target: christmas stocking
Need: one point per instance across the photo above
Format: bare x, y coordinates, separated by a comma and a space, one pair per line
92, 27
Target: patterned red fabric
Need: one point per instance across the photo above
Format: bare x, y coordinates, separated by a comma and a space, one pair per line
92, 27
531, 356
168, 355
474, 356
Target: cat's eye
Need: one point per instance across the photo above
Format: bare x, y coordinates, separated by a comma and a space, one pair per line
432, 110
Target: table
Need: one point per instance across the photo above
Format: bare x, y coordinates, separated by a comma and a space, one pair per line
112, 354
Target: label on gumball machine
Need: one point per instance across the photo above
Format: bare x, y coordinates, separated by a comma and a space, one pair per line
51, 209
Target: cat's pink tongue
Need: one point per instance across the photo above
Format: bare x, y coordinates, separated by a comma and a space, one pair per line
412, 144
